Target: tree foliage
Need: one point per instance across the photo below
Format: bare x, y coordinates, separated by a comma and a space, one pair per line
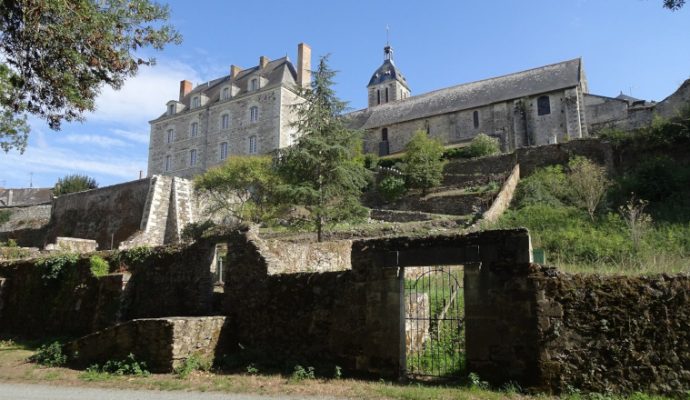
323, 171
56, 55
240, 188
674, 5
74, 183
422, 162
588, 184
482, 145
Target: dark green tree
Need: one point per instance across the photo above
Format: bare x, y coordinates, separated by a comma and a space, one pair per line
55, 56
674, 4
74, 183
422, 162
323, 171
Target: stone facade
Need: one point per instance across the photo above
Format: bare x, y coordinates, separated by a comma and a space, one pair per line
250, 111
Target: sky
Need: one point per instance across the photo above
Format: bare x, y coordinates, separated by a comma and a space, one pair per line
633, 46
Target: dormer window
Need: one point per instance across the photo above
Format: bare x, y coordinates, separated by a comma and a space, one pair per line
196, 102
171, 109
225, 94
254, 84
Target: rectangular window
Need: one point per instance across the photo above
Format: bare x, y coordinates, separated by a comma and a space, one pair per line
543, 105
254, 114
254, 85
194, 129
223, 150
192, 158
252, 145
171, 136
196, 102
384, 134
167, 163
226, 94
171, 109
386, 95
225, 121
475, 119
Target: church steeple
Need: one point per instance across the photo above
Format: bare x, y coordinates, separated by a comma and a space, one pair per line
387, 83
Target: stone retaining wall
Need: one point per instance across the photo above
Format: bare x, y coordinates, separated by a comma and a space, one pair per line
162, 343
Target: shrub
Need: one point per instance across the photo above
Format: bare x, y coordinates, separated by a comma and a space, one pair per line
300, 373
547, 186
392, 188
192, 363
99, 267
196, 230
5, 216
482, 145
49, 355
588, 184
53, 266
128, 366
74, 183
423, 166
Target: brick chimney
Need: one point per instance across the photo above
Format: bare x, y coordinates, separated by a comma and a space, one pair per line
185, 88
263, 61
234, 71
304, 65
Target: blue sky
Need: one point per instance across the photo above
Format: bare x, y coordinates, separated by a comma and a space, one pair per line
634, 46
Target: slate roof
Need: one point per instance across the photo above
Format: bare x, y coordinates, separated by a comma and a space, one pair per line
387, 72
25, 196
544, 79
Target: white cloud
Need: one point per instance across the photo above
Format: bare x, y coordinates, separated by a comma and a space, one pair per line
98, 140
143, 97
139, 137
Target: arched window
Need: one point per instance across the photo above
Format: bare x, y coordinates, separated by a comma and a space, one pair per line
475, 119
254, 114
543, 105
193, 129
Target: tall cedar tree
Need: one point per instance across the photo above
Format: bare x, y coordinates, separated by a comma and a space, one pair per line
323, 171
55, 55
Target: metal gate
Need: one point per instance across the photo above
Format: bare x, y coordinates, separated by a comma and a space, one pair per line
433, 309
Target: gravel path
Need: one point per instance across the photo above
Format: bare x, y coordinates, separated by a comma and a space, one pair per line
11, 391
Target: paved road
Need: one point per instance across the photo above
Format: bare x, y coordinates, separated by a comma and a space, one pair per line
11, 391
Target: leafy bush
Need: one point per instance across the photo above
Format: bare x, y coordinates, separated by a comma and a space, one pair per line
191, 364
300, 373
392, 188
74, 183
99, 267
482, 145
546, 186
53, 266
5, 216
49, 355
135, 255
423, 166
196, 230
389, 162
128, 366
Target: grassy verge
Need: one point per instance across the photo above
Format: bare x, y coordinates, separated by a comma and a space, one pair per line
14, 367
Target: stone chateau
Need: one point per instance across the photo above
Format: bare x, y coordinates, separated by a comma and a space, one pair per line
250, 111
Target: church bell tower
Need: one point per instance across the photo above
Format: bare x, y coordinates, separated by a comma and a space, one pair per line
387, 84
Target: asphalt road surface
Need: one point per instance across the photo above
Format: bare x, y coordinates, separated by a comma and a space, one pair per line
11, 391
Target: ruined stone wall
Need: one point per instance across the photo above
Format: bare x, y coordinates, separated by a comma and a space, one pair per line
554, 331
105, 214
162, 343
346, 318
162, 282
26, 217
620, 334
